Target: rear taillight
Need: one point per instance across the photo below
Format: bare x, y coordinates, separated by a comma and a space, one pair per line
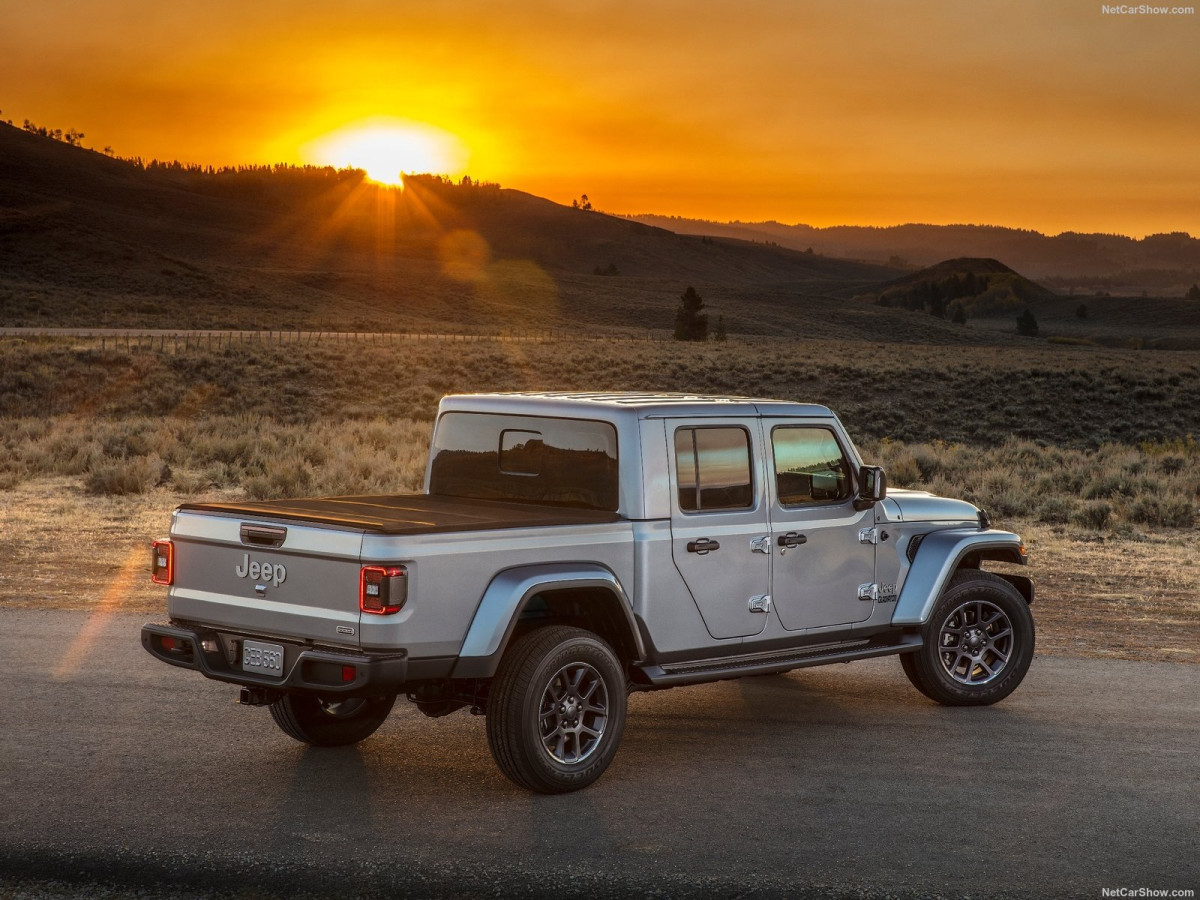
382, 590
162, 563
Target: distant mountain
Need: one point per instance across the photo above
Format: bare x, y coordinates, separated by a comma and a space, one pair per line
1162, 263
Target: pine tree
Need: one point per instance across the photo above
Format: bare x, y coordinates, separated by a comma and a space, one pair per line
690, 323
1027, 324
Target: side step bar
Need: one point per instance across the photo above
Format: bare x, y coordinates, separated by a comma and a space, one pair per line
725, 667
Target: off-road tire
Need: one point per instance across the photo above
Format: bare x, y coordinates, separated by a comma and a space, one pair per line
330, 723
525, 680
929, 669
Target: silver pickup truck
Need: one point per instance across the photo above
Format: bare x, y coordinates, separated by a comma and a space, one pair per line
571, 548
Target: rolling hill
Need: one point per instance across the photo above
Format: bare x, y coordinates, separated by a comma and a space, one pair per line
981, 288
87, 240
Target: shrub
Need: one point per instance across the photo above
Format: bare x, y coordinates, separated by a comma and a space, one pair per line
129, 476
1095, 515
191, 482
904, 472
1107, 486
1166, 512
1055, 510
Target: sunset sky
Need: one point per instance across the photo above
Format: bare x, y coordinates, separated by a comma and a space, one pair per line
1046, 115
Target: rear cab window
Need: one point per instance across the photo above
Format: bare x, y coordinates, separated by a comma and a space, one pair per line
526, 459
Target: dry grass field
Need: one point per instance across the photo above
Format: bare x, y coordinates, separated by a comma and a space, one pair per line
1128, 595
1089, 453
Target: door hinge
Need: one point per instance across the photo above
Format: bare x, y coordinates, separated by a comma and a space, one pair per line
761, 544
868, 536
868, 592
761, 603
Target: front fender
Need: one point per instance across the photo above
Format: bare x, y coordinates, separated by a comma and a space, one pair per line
936, 561
507, 595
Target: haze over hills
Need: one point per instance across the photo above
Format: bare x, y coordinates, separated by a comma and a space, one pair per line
1158, 264
91, 241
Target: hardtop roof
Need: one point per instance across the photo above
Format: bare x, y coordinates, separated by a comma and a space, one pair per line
644, 404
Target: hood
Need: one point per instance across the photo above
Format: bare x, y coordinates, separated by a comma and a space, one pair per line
922, 506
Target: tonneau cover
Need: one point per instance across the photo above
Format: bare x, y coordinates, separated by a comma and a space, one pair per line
410, 513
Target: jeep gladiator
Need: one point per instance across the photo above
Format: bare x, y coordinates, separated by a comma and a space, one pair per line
570, 548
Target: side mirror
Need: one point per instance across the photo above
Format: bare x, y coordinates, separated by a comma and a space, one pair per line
872, 487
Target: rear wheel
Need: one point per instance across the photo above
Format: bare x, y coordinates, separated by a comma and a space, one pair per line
330, 723
556, 709
978, 642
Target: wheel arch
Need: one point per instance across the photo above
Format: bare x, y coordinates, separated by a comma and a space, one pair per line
581, 593
941, 555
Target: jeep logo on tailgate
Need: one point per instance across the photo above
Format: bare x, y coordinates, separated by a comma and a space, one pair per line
261, 571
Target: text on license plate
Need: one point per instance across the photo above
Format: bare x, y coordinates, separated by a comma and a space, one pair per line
262, 659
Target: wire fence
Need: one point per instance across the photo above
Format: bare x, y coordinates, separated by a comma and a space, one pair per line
168, 341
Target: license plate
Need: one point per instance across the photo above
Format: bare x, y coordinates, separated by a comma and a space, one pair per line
262, 659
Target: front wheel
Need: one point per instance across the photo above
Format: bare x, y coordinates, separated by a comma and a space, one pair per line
978, 642
330, 723
556, 709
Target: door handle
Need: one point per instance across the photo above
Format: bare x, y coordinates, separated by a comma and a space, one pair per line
702, 546
792, 539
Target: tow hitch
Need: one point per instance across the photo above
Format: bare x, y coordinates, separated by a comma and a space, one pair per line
257, 696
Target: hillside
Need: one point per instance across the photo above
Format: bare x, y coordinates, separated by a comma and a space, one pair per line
980, 288
86, 240
1159, 264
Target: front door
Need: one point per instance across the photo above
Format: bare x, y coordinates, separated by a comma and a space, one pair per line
822, 561
719, 536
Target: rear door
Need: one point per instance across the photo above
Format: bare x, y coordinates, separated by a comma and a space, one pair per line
822, 559
278, 579
719, 536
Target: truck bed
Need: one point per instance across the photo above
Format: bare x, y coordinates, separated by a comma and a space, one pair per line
409, 513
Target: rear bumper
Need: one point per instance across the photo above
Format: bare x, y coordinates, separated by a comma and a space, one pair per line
305, 669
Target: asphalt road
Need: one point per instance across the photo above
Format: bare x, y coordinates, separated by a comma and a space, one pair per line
837, 781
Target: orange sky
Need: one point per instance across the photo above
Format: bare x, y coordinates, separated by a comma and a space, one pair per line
1046, 115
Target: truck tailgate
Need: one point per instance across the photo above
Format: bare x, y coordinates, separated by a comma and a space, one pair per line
287, 580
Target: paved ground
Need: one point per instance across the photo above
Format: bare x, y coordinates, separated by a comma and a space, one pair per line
117, 770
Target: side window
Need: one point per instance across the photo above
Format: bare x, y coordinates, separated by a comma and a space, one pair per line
713, 466
809, 466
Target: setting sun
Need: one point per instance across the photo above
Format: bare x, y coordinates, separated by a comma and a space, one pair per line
388, 148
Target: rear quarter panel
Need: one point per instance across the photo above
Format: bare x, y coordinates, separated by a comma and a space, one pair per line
449, 573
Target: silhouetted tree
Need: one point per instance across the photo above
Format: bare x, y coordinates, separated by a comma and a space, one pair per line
1027, 324
582, 203
937, 306
1081, 311
1194, 292
958, 315
719, 334
690, 323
